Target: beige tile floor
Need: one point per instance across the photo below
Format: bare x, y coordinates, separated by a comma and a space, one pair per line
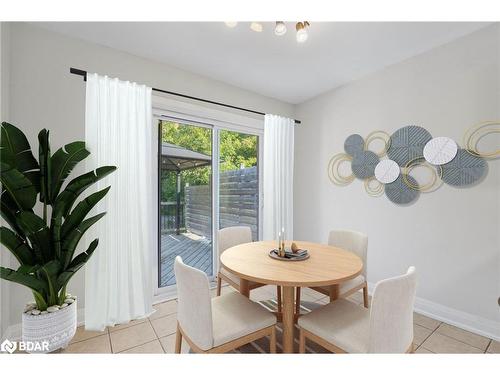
157, 333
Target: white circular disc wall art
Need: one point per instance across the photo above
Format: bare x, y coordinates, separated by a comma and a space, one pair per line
387, 171
440, 150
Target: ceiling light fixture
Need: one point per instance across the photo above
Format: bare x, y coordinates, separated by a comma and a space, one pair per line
256, 26
280, 28
302, 34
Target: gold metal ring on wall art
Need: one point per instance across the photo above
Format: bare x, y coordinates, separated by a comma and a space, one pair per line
382, 136
430, 186
474, 134
334, 173
376, 191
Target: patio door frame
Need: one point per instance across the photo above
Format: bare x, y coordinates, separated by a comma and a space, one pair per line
217, 120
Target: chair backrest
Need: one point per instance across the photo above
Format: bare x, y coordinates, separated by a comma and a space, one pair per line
391, 314
194, 307
356, 242
232, 236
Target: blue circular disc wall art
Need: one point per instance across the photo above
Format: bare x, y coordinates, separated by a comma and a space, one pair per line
364, 163
408, 143
354, 144
400, 193
465, 169
407, 148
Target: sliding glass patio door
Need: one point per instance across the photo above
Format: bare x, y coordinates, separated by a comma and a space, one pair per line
208, 179
185, 192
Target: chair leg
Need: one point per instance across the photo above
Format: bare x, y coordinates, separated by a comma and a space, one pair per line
272, 343
365, 296
178, 340
297, 301
278, 292
219, 285
302, 342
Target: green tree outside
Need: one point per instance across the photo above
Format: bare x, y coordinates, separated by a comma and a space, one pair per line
237, 150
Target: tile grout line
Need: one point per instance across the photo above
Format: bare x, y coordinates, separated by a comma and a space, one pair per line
427, 338
156, 334
144, 343
161, 317
128, 328
165, 350
90, 338
110, 343
488, 346
463, 342
151, 324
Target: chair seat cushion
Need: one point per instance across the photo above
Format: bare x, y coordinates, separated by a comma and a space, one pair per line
235, 316
342, 323
358, 281
236, 279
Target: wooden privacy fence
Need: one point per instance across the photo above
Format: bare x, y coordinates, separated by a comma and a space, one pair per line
238, 202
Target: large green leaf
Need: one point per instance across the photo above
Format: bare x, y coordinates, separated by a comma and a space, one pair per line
38, 233
25, 279
9, 212
71, 242
15, 150
75, 187
49, 272
19, 187
45, 166
55, 228
81, 210
67, 198
27, 269
17, 246
76, 264
63, 162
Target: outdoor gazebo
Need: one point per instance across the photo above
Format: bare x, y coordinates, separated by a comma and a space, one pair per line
177, 159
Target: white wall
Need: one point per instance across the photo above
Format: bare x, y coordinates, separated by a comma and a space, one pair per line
44, 94
452, 235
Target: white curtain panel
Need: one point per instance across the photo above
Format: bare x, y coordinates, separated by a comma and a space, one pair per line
278, 176
119, 131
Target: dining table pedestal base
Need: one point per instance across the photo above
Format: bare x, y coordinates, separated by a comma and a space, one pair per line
288, 316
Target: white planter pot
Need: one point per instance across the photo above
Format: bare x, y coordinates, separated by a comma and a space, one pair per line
57, 329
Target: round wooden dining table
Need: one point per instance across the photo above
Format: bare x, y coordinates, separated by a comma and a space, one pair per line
326, 266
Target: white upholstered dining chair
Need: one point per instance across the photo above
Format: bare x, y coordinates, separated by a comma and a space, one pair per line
219, 324
229, 237
387, 327
355, 242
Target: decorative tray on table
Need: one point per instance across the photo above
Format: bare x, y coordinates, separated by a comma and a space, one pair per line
289, 255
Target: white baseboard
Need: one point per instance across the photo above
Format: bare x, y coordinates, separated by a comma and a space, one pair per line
14, 332
469, 322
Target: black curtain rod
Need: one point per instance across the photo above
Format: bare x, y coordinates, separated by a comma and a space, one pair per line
83, 73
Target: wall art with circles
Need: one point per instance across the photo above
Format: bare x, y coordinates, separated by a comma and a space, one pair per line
390, 170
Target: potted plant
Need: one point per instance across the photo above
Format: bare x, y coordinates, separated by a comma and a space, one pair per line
45, 245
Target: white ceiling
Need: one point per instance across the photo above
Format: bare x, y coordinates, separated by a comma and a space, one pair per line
278, 67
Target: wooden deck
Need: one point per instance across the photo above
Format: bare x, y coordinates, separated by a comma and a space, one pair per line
195, 251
